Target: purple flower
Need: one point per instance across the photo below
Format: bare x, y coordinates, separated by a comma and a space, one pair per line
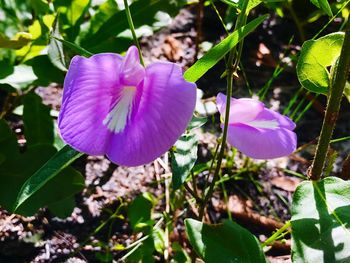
113, 105
256, 131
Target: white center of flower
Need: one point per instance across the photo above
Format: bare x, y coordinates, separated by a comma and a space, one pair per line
118, 117
266, 124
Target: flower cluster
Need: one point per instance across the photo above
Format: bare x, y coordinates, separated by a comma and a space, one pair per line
112, 105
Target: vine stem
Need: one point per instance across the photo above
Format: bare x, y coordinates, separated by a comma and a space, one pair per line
231, 67
337, 85
132, 28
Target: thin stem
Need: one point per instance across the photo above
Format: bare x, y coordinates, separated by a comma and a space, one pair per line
337, 85
132, 28
297, 22
277, 234
231, 68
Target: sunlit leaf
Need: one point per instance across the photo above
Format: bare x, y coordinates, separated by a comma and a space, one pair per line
316, 57
183, 159
139, 213
347, 91
324, 5
215, 54
21, 77
226, 242
321, 221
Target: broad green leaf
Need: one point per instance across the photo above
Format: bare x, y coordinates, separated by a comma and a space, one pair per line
47, 172
139, 213
321, 221
215, 54
324, 5
56, 194
158, 236
20, 40
16, 169
63, 208
38, 124
316, 56
226, 242
22, 76
46, 72
183, 158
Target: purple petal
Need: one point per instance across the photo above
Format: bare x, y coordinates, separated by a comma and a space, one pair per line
262, 143
164, 110
90, 89
241, 110
283, 121
132, 71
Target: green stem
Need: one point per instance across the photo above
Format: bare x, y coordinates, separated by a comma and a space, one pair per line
337, 85
231, 67
132, 28
277, 234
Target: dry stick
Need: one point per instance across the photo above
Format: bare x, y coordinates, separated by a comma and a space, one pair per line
337, 84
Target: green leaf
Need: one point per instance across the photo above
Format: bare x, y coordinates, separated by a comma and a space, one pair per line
46, 72
158, 236
324, 5
321, 221
55, 51
347, 91
47, 172
76, 10
183, 158
40, 6
196, 122
22, 76
215, 54
139, 212
79, 50
316, 56
227, 242
57, 194
38, 124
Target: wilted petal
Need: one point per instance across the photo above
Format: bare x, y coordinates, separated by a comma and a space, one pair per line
91, 88
262, 143
164, 109
241, 110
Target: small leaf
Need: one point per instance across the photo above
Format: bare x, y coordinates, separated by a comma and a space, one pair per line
183, 159
139, 213
315, 57
321, 221
196, 122
47, 172
324, 5
227, 242
215, 54
38, 124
